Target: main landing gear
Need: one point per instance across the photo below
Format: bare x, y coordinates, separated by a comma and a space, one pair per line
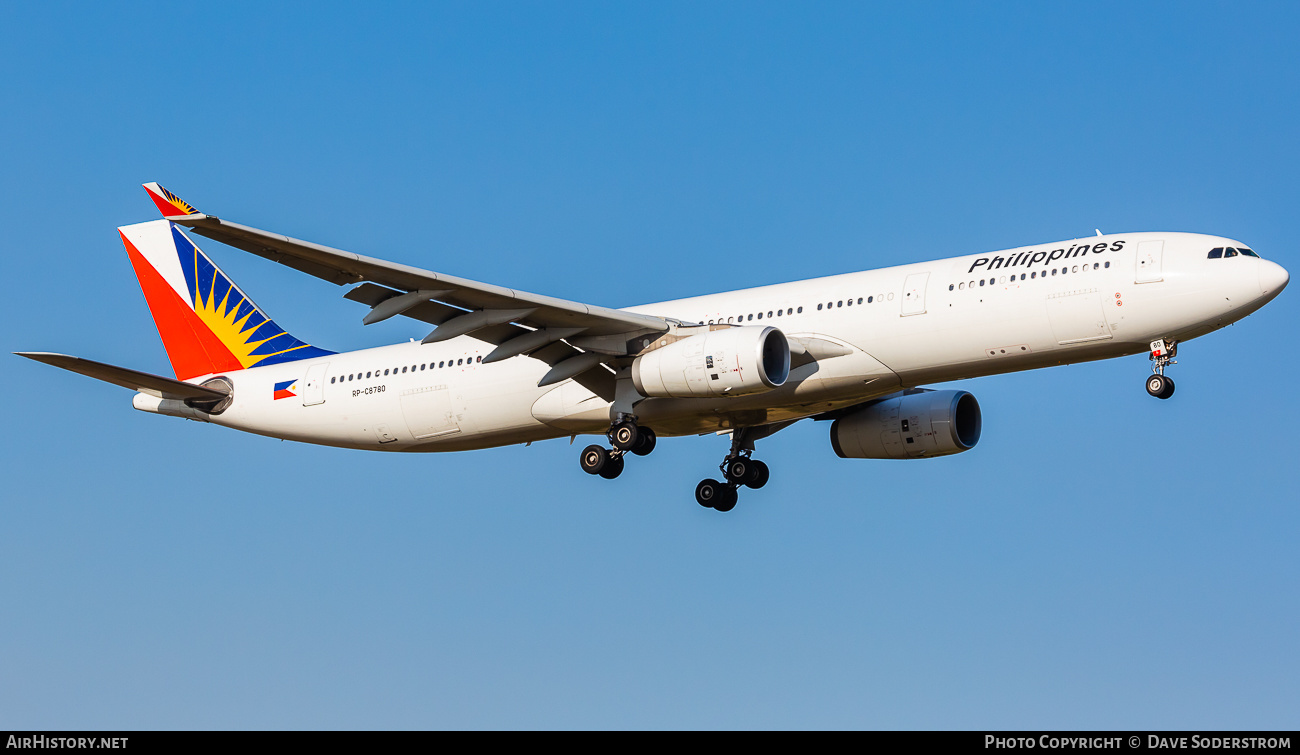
737, 469
625, 436
1162, 355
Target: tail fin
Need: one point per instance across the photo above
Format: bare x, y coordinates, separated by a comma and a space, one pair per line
207, 323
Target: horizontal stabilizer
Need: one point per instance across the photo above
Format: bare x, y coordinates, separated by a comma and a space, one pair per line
154, 385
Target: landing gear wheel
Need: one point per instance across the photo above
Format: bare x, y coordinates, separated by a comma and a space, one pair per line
594, 459
740, 471
613, 468
727, 501
761, 475
1160, 386
646, 443
624, 436
710, 492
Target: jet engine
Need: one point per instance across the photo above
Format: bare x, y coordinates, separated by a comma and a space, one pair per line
726, 362
912, 425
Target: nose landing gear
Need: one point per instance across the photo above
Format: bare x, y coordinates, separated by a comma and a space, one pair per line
1162, 355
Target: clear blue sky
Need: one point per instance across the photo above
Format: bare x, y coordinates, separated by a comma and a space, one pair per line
1102, 559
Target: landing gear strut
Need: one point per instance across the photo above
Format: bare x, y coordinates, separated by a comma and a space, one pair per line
624, 436
738, 469
1162, 355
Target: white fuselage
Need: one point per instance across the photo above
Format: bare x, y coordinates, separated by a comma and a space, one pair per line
904, 326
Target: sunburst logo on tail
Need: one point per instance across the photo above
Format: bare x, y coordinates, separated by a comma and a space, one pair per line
168, 203
252, 337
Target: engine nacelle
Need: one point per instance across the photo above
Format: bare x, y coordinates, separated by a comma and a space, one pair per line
913, 425
726, 362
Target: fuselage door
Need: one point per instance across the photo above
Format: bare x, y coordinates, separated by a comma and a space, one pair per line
428, 412
1077, 317
914, 294
1149, 256
313, 391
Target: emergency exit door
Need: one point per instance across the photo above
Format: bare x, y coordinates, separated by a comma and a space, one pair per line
914, 294
313, 391
1150, 256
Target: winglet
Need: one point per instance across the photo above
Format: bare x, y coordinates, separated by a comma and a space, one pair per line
168, 203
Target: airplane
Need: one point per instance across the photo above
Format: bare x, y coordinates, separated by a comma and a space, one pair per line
502, 366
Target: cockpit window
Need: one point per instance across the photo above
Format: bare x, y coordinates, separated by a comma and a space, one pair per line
1247, 252
1216, 252
1229, 252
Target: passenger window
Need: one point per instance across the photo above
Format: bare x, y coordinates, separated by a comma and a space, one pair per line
478, 359
981, 281
1074, 269
950, 286
1022, 276
769, 315
819, 307
1096, 265
1053, 271
331, 381
729, 319
440, 364
422, 367
869, 299
1107, 264
850, 302
961, 285
367, 374
751, 317
840, 304
760, 315
385, 372
1229, 252
801, 310
403, 370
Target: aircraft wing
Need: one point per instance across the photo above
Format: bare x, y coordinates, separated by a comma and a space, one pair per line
154, 385
398, 289
573, 338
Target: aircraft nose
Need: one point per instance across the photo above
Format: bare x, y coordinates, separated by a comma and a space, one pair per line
1272, 277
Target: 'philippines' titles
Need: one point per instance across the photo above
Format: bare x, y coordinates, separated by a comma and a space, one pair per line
1027, 259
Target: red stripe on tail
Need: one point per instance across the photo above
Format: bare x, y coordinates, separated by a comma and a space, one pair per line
191, 346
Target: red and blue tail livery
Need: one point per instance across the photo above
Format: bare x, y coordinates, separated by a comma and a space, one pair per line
168, 203
208, 325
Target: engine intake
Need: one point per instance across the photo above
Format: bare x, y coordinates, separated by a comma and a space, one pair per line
913, 425
727, 362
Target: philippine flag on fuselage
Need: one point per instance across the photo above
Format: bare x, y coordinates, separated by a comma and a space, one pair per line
285, 390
